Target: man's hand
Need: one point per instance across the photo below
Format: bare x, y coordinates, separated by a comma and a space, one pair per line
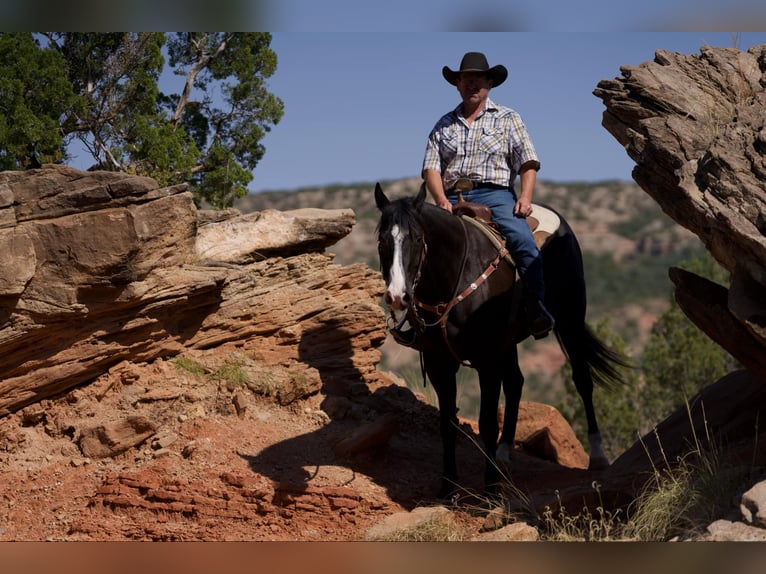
528, 176
523, 208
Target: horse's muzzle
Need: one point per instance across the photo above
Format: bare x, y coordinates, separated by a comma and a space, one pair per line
397, 302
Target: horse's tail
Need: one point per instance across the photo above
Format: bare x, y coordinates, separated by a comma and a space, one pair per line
606, 365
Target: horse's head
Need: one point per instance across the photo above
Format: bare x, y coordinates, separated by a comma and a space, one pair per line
401, 245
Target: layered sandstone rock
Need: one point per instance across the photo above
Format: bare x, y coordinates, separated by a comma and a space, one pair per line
101, 268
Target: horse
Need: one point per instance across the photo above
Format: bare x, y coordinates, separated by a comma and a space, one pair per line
464, 304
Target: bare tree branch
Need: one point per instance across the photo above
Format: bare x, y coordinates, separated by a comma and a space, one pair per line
203, 60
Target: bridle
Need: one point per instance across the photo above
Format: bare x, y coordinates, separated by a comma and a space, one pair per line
442, 310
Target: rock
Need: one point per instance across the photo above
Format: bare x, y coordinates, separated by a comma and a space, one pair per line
708, 305
263, 234
395, 525
231, 497
164, 439
114, 438
106, 272
542, 431
727, 531
695, 126
727, 411
367, 436
516, 532
753, 506
240, 403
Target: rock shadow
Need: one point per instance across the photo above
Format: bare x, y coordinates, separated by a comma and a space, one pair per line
387, 434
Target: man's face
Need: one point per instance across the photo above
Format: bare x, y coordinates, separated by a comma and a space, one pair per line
473, 86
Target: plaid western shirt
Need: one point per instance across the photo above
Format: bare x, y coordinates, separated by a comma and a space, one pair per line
491, 149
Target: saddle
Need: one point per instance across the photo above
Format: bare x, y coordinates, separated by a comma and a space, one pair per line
543, 222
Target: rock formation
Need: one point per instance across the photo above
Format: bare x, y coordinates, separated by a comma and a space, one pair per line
100, 268
696, 128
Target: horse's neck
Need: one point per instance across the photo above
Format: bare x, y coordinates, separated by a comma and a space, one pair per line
453, 254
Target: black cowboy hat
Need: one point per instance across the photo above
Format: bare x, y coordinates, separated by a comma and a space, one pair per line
476, 62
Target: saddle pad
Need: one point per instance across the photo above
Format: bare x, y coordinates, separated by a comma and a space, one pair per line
549, 222
543, 221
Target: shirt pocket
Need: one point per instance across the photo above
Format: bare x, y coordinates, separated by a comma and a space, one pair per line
492, 140
449, 142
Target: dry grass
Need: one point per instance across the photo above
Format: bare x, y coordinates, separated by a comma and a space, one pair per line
681, 500
587, 526
442, 527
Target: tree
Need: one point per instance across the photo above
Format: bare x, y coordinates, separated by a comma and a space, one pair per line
680, 360
35, 96
230, 134
207, 131
119, 119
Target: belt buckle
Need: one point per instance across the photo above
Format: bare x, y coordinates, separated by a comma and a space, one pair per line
463, 184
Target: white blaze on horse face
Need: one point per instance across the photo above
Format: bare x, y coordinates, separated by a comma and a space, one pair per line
397, 284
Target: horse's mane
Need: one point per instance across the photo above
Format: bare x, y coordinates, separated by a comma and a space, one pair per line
403, 213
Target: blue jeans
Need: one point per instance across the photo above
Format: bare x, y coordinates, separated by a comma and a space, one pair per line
518, 236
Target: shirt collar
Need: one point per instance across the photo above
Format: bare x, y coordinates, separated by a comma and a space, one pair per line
489, 106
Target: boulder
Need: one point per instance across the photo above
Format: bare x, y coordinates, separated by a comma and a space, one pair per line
543, 432
116, 437
753, 506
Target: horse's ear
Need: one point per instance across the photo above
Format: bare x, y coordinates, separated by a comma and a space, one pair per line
380, 198
420, 197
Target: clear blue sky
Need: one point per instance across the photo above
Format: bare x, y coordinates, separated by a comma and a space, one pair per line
359, 106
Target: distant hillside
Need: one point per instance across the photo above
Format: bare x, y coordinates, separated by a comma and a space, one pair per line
628, 244
627, 241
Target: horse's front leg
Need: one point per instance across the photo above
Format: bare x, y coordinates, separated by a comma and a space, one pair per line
513, 383
489, 383
441, 371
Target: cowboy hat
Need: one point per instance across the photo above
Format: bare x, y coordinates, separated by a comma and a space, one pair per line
476, 62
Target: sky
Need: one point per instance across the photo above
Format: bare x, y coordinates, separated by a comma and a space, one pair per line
359, 105
362, 84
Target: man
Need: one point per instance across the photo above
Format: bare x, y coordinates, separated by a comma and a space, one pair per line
479, 148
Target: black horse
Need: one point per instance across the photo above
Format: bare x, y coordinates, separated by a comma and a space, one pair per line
464, 306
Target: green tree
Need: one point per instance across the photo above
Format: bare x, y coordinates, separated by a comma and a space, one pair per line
229, 134
119, 119
680, 360
35, 96
206, 130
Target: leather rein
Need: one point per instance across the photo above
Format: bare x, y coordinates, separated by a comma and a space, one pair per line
442, 310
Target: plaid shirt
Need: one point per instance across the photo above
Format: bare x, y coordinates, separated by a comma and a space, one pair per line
491, 149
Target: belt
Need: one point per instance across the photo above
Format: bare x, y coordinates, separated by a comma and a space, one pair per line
465, 184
